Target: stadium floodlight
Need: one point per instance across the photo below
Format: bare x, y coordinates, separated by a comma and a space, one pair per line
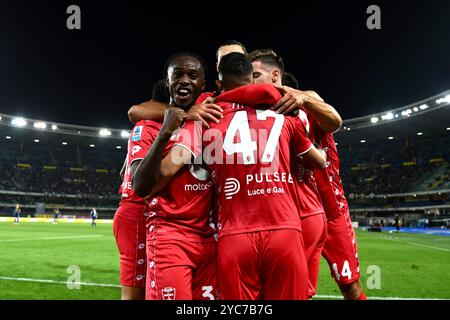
54, 127
446, 99
0, 118
396, 115
92, 145
374, 120
415, 109
36, 140
19, 122
448, 129
40, 125
423, 107
8, 138
126, 134
119, 147
363, 141
388, 116
104, 133
419, 133
64, 143
391, 138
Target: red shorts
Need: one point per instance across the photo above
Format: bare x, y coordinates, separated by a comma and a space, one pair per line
129, 231
314, 236
181, 270
268, 265
340, 250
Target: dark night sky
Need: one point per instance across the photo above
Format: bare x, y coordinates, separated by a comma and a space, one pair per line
93, 76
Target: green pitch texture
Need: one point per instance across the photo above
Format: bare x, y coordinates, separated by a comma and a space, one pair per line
411, 265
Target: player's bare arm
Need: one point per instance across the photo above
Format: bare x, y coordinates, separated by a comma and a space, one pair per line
316, 158
124, 167
148, 177
327, 116
153, 110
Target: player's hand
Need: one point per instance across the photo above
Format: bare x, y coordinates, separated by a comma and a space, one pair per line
173, 118
292, 100
205, 112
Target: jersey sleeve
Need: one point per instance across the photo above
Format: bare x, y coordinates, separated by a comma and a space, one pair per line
301, 142
252, 95
190, 138
203, 96
142, 137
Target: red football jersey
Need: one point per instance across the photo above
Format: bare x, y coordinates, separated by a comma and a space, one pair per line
329, 180
203, 96
139, 143
183, 209
249, 156
310, 202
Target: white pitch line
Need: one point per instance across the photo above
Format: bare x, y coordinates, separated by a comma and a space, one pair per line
376, 298
53, 238
411, 243
118, 286
60, 282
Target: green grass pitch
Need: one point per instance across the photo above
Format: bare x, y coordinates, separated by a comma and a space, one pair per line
411, 265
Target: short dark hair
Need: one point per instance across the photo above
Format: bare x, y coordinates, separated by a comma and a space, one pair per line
161, 92
267, 56
231, 43
235, 65
184, 54
290, 80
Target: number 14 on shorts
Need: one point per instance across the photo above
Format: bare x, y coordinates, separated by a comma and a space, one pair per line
345, 272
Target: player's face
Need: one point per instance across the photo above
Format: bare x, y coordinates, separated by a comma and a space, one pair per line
261, 73
186, 79
223, 51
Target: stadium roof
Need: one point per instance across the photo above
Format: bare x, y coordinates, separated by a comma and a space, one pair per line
429, 117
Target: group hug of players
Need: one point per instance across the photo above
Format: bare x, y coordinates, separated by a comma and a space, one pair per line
233, 194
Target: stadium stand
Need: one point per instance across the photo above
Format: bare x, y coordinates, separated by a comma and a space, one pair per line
395, 162
73, 168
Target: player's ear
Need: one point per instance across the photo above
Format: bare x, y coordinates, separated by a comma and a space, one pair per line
219, 85
276, 75
167, 81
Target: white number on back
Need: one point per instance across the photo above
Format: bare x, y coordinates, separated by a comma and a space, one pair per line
247, 146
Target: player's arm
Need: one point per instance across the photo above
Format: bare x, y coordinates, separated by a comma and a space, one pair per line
327, 116
303, 147
315, 157
124, 167
153, 110
154, 172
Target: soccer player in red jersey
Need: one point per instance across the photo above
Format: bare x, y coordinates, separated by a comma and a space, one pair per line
261, 253
339, 249
181, 248
269, 68
129, 220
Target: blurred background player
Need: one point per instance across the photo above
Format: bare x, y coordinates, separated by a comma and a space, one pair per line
129, 224
17, 212
340, 248
93, 217
56, 216
397, 223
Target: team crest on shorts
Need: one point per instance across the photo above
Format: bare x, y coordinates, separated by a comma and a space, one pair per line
168, 293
